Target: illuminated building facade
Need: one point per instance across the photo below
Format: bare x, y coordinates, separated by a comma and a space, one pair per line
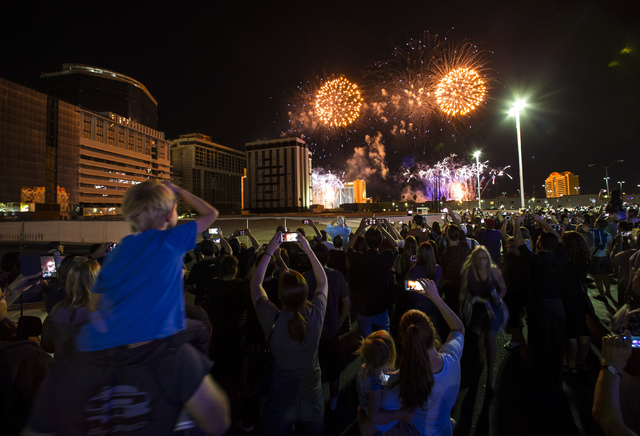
47, 143
359, 190
559, 185
211, 171
101, 90
114, 154
278, 176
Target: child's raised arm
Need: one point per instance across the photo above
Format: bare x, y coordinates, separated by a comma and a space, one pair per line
207, 213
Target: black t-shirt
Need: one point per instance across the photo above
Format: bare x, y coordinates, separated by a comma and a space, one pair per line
138, 391
338, 260
547, 271
337, 290
202, 273
371, 280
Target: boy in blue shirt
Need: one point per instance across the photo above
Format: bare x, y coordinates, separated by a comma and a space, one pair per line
138, 296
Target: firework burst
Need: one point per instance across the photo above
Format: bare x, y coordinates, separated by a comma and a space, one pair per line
338, 103
428, 86
453, 179
327, 188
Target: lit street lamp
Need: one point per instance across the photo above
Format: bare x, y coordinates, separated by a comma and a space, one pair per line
606, 172
477, 156
515, 110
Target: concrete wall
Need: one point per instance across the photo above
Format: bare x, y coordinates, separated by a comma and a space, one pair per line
81, 232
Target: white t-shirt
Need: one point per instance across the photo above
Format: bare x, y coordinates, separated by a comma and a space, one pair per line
434, 418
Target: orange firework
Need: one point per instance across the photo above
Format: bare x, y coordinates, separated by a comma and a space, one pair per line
338, 103
462, 79
460, 91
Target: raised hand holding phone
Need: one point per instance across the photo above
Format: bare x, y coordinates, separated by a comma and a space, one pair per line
274, 244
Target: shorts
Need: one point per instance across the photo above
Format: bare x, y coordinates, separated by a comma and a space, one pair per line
599, 266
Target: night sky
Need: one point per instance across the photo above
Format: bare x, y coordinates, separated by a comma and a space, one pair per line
229, 70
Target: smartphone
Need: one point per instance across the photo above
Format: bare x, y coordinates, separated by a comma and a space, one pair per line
482, 220
626, 233
241, 232
48, 266
443, 217
445, 210
215, 240
371, 221
110, 248
381, 220
214, 231
423, 230
409, 212
412, 285
635, 340
392, 222
290, 237
305, 221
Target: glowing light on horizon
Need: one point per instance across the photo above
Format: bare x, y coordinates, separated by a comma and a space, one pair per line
460, 91
338, 103
453, 179
326, 188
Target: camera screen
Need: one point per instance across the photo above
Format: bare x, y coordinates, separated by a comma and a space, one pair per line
412, 285
214, 231
48, 265
289, 237
305, 221
635, 341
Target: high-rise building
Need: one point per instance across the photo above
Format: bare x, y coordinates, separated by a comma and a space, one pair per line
211, 171
278, 176
48, 143
101, 90
114, 154
559, 185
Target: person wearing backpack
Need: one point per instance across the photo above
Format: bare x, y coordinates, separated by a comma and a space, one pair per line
600, 263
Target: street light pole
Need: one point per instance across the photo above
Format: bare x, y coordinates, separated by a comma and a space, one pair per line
477, 156
606, 172
519, 105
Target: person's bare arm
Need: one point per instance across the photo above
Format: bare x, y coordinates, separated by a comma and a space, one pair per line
257, 291
254, 241
606, 400
503, 230
210, 407
359, 231
318, 271
430, 290
315, 228
546, 226
207, 213
225, 245
380, 416
388, 236
280, 261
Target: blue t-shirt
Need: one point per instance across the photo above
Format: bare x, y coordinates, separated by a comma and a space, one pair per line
338, 230
141, 290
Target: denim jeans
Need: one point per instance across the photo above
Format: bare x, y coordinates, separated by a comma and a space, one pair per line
368, 324
279, 417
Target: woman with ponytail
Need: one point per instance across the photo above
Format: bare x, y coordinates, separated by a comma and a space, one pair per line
428, 380
293, 389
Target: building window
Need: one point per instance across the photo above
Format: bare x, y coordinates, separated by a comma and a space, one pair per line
87, 127
111, 134
131, 142
121, 137
99, 131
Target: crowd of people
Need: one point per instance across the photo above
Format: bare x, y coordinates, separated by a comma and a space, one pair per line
264, 330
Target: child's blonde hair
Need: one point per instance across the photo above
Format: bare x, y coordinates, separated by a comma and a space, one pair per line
147, 205
378, 353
